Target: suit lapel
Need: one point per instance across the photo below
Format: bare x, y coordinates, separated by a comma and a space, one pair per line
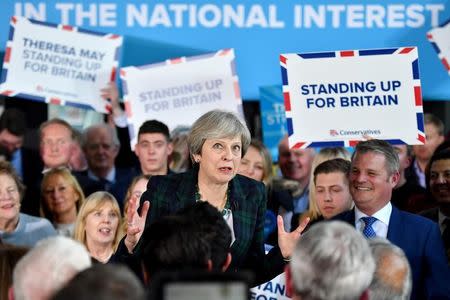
348, 216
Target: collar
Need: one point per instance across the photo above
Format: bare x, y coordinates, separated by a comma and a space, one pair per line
382, 215
111, 176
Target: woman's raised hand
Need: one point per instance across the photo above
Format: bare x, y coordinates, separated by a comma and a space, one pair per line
288, 240
136, 223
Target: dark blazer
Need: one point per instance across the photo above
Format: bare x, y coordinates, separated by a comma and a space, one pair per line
421, 241
118, 189
168, 194
433, 214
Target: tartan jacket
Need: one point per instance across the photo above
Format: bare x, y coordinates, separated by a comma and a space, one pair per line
168, 194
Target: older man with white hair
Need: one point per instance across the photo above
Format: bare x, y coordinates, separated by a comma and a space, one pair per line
48, 267
331, 261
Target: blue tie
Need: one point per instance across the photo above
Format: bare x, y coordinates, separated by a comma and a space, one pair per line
368, 230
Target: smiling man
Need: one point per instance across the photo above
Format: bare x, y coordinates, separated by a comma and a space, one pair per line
374, 173
439, 185
295, 166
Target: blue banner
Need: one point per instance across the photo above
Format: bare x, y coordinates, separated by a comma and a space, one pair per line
258, 31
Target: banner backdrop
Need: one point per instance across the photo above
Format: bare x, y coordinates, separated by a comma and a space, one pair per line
258, 30
59, 64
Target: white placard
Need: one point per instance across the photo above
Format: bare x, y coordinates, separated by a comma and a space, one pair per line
440, 39
178, 91
271, 290
59, 64
336, 98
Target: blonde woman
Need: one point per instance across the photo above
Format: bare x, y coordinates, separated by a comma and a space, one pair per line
61, 199
98, 225
324, 154
257, 163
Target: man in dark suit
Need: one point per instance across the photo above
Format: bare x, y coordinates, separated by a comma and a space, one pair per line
101, 146
12, 131
373, 175
439, 186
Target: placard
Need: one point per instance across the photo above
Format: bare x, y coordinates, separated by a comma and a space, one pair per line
335, 99
178, 91
59, 64
439, 37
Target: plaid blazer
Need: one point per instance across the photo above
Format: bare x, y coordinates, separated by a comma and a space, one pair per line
168, 194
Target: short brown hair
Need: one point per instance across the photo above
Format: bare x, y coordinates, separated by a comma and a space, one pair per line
336, 165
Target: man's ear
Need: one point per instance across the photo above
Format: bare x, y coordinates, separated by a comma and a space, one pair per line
10, 293
395, 178
409, 160
365, 295
145, 275
209, 265
169, 148
227, 262
289, 285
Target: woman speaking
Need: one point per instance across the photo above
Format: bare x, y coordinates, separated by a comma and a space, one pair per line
217, 142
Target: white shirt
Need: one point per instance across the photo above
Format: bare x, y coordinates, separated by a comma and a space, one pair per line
381, 224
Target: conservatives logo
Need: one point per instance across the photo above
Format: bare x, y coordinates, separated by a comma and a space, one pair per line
334, 132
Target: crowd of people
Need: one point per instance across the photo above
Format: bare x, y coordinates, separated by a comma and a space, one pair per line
88, 218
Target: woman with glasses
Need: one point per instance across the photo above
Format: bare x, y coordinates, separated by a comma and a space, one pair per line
17, 228
61, 199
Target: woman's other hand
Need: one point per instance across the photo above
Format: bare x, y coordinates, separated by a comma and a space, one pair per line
288, 240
